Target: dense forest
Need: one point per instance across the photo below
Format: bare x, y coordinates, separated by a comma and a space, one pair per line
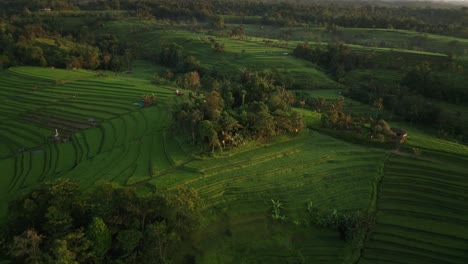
57, 223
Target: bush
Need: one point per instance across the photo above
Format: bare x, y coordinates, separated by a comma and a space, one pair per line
348, 223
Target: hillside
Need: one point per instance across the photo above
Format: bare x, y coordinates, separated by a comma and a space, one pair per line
250, 142
237, 186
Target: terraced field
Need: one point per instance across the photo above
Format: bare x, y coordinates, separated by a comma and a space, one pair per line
39, 101
248, 53
419, 199
237, 187
404, 39
422, 213
387, 76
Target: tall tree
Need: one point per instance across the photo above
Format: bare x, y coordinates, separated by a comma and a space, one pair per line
99, 235
27, 246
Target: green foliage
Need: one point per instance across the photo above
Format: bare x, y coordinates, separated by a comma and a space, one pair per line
187, 204
99, 234
161, 242
191, 81
118, 225
337, 57
217, 22
229, 110
26, 246
128, 240
174, 56
421, 80
62, 254
347, 223
254, 108
276, 213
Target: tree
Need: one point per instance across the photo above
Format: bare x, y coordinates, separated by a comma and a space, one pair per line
195, 117
334, 117
213, 106
62, 254
59, 221
378, 105
79, 245
208, 133
217, 22
320, 104
31, 55
229, 127
297, 121
419, 79
282, 121
191, 80
186, 204
171, 55
190, 64
99, 235
27, 246
261, 121
160, 239
128, 240
238, 32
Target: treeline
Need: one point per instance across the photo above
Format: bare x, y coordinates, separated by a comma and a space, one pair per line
401, 101
57, 223
444, 21
337, 58
33, 40
449, 21
336, 118
410, 98
233, 111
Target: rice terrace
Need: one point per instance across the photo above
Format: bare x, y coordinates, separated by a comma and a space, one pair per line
220, 131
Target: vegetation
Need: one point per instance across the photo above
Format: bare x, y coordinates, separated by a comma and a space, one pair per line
233, 132
110, 225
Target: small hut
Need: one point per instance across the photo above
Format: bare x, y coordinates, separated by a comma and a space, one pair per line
400, 134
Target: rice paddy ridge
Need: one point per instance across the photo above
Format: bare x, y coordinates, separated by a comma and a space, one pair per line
301, 169
81, 158
372, 37
107, 108
238, 53
421, 213
26, 156
276, 169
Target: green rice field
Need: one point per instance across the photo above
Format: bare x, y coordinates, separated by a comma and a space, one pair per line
417, 193
402, 39
66, 100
